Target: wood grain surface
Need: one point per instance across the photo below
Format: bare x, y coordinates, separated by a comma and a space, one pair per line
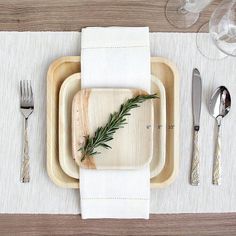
72, 15
180, 224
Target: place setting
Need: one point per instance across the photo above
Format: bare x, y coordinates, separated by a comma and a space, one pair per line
117, 122
111, 131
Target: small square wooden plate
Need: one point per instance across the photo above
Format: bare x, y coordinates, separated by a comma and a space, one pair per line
132, 145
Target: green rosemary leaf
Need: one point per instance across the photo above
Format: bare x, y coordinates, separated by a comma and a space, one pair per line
116, 121
105, 146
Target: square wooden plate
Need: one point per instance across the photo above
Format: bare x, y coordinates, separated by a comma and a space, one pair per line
66, 66
67, 92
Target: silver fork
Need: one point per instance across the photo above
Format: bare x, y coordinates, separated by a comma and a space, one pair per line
27, 108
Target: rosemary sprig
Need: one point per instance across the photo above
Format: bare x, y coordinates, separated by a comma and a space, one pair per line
116, 121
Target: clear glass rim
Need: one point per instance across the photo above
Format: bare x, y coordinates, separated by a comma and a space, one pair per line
201, 50
223, 51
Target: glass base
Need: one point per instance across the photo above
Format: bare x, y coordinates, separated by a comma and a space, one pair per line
206, 46
178, 16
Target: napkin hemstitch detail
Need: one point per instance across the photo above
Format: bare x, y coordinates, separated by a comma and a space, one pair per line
114, 198
102, 47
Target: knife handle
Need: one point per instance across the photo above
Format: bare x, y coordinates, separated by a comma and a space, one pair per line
195, 168
216, 178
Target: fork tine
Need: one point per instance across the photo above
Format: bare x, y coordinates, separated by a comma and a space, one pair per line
31, 92
24, 90
21, 92
28, 90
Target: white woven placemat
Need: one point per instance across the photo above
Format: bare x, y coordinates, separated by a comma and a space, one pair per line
28, 55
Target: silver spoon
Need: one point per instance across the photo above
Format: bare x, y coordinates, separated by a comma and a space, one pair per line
219, 107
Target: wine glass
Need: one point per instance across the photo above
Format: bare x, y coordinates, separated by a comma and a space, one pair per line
221, 39
184, 13
222, 27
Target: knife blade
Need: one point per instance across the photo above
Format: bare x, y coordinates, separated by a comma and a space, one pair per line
196, 104
196, 98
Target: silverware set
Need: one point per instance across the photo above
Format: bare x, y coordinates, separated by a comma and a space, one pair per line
26, 108
219, 107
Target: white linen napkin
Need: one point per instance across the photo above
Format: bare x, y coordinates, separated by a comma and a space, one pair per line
115, 57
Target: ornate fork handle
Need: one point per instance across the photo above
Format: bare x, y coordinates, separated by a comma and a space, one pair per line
25, 175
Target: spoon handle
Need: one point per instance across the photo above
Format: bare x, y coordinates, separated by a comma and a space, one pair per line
195, 168
216, 178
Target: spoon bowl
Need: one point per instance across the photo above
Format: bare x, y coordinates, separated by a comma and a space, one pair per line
220, 103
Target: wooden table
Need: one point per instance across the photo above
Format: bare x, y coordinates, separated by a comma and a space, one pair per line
72, 15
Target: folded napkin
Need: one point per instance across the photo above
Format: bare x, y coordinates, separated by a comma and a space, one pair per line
115, 57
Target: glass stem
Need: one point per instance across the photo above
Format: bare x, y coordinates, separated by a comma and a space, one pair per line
182, 10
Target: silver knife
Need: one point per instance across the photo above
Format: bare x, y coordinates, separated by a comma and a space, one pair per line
196, 103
